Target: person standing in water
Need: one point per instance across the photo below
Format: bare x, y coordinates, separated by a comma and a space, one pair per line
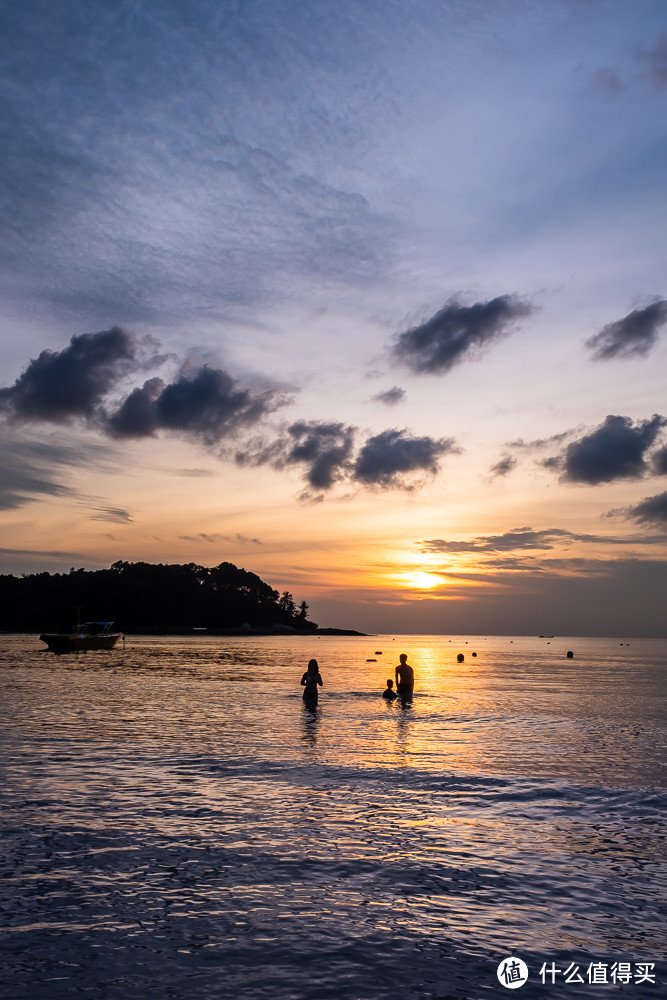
310, 681
405, 679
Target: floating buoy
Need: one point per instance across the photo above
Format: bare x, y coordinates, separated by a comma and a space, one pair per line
371, 661
459, 658
570, 654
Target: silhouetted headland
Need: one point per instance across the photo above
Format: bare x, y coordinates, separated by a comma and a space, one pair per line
150, 599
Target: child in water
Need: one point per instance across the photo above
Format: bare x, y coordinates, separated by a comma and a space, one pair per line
389, 694
310, 681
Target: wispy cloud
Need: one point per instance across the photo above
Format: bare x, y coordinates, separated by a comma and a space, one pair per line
217, 538
116, 515
116, 208
503, 467
528, 539
391, 396
654, 60
32, 470
193, 473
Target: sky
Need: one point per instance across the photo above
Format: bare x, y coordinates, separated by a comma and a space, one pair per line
367, 298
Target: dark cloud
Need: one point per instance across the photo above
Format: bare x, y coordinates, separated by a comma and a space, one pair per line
137, 416
659, 460
614, 450
458, 332
391, 397
632, 336
386, 458
61, 385
650, 510
206, 404
504, 465
324, 449
203, 403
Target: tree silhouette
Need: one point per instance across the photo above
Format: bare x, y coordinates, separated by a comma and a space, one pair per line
148, 597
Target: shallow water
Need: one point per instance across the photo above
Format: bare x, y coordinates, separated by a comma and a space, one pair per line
178, 824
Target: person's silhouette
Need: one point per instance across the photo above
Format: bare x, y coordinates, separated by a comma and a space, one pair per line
389, 694
310, 682
405, 678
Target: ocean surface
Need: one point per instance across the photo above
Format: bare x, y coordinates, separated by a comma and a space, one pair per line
177, 824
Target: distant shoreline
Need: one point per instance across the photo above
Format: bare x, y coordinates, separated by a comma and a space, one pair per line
281, 630
236, 632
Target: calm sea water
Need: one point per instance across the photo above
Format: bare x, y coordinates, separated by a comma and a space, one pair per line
176, 824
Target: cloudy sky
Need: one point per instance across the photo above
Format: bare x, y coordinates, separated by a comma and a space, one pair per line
366, 297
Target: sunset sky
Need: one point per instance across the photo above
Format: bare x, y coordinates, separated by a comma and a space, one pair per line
366, 296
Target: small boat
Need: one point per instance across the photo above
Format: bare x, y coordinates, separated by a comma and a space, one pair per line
90, 635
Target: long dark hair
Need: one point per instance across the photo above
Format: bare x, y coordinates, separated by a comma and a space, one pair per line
313, 668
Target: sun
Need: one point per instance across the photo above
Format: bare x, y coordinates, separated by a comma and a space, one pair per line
421, 580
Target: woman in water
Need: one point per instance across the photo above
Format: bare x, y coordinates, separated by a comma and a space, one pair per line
310, 681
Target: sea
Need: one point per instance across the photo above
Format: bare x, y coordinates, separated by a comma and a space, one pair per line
177, 824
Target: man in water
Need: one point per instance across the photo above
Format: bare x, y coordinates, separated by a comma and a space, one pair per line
405, 679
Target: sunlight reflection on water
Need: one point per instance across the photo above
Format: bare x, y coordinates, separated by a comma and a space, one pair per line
179, 824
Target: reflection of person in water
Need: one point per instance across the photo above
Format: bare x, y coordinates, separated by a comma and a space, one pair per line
389, 694
405, 679
310, 681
